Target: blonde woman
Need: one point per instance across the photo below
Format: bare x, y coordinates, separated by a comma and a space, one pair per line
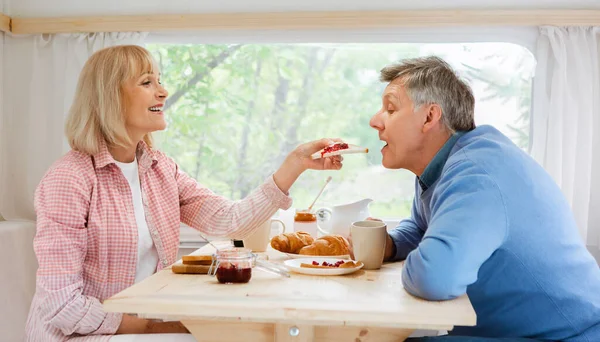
108, 212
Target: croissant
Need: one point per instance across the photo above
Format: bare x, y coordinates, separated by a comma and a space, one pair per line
291, 242
327, 245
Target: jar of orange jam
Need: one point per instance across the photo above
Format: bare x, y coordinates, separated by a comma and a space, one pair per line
305, 221
304, 216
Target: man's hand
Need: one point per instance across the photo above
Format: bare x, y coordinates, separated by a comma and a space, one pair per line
390, 247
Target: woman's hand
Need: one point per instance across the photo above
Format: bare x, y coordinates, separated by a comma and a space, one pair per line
302, 155
299, 160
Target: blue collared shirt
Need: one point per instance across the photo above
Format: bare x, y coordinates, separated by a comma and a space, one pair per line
494, 224
436, 165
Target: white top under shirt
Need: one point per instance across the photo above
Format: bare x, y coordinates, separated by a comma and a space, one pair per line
147, 257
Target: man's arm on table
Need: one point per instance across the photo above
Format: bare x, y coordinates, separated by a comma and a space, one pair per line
406, 237
468, 225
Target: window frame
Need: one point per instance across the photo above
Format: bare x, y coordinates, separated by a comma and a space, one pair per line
524, 36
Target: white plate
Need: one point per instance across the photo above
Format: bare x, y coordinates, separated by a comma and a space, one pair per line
294, 265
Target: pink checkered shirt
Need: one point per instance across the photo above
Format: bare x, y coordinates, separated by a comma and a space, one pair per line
86, 241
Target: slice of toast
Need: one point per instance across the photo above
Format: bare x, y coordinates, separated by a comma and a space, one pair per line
346, 264
190, 269
197, 259
324, 153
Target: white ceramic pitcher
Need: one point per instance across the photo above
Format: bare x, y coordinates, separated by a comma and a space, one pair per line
342, 216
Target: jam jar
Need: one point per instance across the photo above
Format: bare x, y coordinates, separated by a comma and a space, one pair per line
306, 221
304, 216
233, 265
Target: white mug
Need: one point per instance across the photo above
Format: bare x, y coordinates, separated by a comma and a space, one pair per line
259, 240
368, 243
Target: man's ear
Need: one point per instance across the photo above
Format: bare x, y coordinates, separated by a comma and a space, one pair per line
433, 117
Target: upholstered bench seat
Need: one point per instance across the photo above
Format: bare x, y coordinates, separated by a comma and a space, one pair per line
18, 267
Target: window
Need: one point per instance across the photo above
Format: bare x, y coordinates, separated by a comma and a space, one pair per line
235, 111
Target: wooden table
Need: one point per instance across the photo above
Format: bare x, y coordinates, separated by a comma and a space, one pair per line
363, 306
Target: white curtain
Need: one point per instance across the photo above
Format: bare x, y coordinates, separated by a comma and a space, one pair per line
566, 119
40, 77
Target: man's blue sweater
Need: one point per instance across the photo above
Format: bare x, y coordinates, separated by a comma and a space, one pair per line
488, 221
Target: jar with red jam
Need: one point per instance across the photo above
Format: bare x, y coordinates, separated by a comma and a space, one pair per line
233, 265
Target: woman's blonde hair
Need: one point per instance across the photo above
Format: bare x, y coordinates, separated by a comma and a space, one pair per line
97, 109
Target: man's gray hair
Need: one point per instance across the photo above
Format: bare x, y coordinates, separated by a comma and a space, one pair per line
431, 80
